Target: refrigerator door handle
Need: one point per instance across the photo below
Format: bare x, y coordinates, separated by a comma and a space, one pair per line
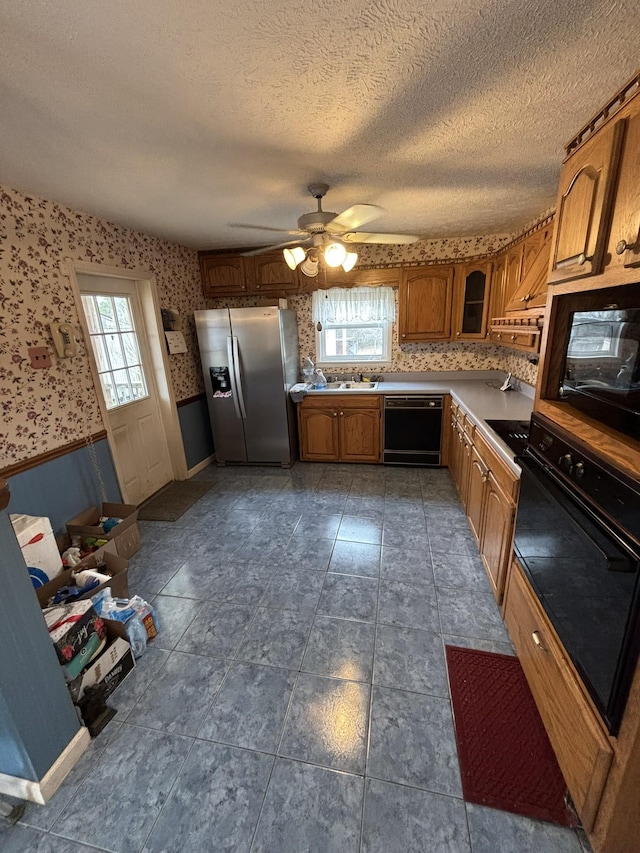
232, 376
236, 368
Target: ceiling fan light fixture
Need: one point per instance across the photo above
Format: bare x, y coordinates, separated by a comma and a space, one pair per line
294, 256
350, 261
335, 254
309, 266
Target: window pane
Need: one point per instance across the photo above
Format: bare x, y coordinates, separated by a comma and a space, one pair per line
138, 385
108, 390
123, 312
123, 388
354, 341
105, 309
114, 350
91, 313
100, 353
130, 346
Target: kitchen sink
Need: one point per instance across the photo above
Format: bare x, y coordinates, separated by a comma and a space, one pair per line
347, 386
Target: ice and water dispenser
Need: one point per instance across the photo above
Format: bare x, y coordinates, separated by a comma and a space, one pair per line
220, 381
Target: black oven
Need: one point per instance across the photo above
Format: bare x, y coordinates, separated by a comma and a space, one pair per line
577, 538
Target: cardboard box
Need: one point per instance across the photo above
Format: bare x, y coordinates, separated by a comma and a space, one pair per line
111, 667
38, 545
128, 542
71, 626
114, 565
87, 523
63, 541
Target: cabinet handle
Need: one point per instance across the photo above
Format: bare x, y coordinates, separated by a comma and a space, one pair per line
458, 334
258, 286
341, 414
622, 247
513, 337
581, 260
404, 336
484, 477
335, 414
537, 640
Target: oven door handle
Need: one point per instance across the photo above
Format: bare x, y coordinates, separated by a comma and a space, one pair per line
572, 501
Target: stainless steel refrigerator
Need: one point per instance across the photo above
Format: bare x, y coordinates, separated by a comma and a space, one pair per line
250, 361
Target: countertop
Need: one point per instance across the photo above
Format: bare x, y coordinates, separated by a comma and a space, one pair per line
479, 396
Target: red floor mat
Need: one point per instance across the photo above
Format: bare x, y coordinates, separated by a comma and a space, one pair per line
506, 760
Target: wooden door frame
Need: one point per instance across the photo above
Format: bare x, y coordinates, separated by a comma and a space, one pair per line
148, 293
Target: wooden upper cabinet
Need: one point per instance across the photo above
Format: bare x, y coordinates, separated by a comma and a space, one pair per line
471, 300
269, 273
532, 290
222, 274
425, 296
624, 240
512, 272
497, 305
583, 209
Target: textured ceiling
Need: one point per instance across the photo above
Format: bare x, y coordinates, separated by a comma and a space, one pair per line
177, 118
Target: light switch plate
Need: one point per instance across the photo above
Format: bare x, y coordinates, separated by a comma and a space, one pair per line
40, 357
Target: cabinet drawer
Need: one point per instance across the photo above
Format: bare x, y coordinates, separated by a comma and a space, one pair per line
578, 739
361, 400
512, 338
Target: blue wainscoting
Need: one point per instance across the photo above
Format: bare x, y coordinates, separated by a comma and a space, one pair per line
196, 431
63, 487
37, 718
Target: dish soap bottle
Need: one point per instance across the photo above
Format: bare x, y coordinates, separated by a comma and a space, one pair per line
320, 380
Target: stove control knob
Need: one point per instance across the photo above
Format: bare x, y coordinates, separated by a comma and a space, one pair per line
566, 462
578, 471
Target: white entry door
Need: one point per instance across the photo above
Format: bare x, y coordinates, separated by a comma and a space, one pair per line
123, 361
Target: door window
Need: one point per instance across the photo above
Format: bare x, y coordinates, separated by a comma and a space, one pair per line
115, 347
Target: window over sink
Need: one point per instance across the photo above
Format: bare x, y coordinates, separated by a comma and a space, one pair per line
353, 325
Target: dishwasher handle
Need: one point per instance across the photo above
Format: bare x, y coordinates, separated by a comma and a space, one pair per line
413, 402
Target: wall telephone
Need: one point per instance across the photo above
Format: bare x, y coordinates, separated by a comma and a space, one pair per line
63, 340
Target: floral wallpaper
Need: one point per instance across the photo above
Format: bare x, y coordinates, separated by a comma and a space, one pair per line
427, 251
408, 357
50, 407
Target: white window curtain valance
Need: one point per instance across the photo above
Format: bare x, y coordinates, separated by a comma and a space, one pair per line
340, 305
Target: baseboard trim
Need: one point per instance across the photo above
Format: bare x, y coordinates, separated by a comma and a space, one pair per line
42, 791
200, 466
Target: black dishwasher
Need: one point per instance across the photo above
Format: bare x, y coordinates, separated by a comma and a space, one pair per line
412, 430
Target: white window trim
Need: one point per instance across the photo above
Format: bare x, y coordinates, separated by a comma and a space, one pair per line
348, 304
324, 360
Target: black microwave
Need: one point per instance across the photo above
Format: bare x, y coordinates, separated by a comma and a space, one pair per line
601, 375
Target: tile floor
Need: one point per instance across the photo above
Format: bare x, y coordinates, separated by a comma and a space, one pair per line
296, 698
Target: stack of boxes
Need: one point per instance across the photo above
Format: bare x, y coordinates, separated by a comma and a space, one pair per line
94, 653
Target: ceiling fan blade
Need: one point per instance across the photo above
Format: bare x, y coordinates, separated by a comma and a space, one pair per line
354, 217
371, 237
264, 228
264, 249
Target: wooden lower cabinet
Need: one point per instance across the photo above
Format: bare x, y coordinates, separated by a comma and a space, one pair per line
488, 490
340, 428
496, 533
578, 738
476, 488
319, 439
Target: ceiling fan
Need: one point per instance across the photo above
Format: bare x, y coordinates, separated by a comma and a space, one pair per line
325, 233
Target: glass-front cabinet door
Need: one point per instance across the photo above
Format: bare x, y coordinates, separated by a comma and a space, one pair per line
471, 302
